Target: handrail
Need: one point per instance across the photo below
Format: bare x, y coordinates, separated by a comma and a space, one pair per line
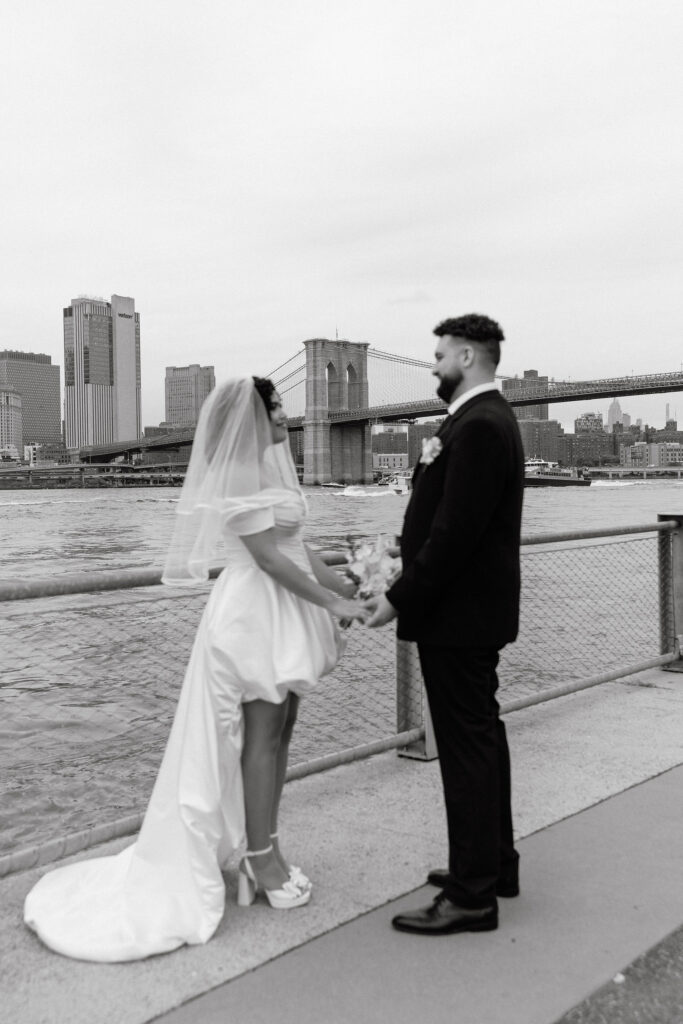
116, 579
606, 531
127, 579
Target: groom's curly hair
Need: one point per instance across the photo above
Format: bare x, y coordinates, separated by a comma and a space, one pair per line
476, 328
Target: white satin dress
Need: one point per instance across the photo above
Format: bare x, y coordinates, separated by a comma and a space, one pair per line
256, 640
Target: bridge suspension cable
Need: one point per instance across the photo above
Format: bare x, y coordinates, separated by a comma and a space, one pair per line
283, 380
394, 358
301, 354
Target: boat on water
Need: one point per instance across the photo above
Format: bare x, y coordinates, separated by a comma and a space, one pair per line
402, 481
541, 473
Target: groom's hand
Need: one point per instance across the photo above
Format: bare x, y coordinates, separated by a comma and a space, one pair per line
382, 611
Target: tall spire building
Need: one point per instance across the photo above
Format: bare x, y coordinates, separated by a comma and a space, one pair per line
101, 371
614, 415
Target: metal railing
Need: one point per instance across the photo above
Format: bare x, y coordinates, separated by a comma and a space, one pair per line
92, 664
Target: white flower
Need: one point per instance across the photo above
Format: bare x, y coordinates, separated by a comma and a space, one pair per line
431, 447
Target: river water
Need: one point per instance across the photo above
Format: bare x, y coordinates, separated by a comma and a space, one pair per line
47, 533
89, 683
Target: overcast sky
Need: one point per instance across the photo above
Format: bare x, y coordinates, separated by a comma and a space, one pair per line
257, 173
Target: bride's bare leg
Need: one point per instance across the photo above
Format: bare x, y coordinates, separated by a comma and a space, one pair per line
281, 770
263, 728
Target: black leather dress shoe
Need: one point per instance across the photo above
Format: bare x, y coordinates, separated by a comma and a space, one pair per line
506, 887
442, 917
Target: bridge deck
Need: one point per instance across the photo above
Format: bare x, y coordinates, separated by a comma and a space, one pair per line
552, 392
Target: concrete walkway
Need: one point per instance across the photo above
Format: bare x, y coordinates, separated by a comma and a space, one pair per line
598, 801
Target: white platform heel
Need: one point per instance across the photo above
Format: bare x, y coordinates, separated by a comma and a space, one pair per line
290, 895
295, 873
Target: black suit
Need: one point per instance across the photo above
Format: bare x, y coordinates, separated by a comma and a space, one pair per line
458, 597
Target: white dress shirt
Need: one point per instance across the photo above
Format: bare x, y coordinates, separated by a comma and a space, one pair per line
478, 389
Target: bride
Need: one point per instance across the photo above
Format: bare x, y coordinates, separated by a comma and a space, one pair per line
266, 637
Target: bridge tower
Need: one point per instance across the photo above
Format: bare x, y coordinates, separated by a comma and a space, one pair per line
336, 378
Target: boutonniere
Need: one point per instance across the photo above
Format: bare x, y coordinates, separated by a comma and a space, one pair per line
431, 447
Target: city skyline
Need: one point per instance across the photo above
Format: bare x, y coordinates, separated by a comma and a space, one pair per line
566, 413
302, 171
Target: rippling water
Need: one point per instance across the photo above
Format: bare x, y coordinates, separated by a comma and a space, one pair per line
90, 682
47, 533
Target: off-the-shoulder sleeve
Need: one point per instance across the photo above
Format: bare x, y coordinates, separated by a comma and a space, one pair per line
252, 514
251, 521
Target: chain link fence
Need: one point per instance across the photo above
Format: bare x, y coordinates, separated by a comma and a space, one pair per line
90, 681
586, 607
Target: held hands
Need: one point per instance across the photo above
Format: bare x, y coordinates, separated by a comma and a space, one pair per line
346, 611
381, 611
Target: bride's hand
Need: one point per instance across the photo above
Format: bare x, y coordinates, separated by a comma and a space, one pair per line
347, 588
345, 610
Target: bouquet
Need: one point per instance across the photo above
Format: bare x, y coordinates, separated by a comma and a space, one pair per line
372, 566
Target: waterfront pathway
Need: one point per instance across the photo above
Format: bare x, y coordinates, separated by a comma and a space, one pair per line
596, 934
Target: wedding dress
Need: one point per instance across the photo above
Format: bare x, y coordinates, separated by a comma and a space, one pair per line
256, 640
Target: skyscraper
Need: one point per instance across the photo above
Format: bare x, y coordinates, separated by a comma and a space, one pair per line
512, 386
589, 423
614, 414
34, 377
10, 422
186, 388
101, 371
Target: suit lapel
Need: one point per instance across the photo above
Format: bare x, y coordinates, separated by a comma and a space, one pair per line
445, 427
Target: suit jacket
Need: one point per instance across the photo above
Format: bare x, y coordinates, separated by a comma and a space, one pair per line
460, 544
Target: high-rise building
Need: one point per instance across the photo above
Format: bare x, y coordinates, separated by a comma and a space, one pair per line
186, 389
10, 422
101, 371
585, 449
531, 380
541, 439
37, 381
390, 446
614, 414
589, 423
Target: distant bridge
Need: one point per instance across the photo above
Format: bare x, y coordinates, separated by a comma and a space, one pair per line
544, 394
326, 389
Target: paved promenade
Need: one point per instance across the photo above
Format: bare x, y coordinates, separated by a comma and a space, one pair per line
595, 936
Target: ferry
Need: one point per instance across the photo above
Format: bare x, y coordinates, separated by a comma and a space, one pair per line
541, 473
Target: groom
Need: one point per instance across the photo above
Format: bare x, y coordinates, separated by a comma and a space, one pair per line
458, 597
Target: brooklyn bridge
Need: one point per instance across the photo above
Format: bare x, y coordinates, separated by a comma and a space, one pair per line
335, 391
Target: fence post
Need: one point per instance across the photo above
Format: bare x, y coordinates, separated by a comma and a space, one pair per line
412, 708
670, 558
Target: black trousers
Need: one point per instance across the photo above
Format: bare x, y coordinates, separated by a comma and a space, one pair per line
461, 684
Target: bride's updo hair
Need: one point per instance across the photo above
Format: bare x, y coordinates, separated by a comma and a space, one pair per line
227, 402
266, 390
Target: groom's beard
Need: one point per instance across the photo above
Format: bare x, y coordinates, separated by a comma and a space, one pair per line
447, 386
